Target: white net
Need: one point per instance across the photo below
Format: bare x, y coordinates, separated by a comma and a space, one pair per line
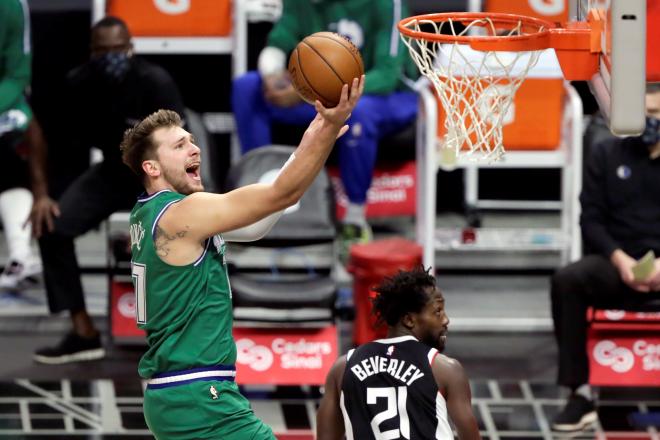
476, 88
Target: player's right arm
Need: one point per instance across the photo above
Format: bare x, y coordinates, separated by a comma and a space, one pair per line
329, 420
202, 215
453, 384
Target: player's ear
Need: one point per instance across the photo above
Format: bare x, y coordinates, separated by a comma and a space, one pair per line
151, 168
409, 321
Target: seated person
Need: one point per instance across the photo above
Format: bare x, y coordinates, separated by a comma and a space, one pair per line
259, 98
15, 118
620, 222
106, 96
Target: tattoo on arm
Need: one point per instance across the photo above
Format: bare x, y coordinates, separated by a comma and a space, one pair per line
163, 239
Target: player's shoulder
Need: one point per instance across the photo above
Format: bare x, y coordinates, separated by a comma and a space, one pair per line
151, 204
338, 368
447, 363
164, 195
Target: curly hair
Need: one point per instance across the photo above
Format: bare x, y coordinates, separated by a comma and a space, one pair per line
405, 292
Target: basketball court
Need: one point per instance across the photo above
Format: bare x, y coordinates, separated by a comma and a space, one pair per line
482, 65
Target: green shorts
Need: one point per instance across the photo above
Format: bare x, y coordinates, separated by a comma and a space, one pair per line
190, 411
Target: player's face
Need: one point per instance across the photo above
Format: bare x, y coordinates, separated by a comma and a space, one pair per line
432, 322
179, 159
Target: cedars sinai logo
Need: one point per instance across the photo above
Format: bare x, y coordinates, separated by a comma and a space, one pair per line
289, 354
126, 305
258, 357
622, 359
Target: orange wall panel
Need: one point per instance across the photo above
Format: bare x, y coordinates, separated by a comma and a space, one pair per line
536, 111
174, 18
551, 10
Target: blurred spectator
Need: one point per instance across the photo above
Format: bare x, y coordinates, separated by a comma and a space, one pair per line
107, 95
620, 223
15, 115
387, 106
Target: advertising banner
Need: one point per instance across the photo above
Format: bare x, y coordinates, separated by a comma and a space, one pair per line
284, 356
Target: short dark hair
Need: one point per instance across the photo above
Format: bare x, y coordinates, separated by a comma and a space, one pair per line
405, 292
138, 145
110, 21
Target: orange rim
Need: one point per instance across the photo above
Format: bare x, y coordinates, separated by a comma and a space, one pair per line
537, 39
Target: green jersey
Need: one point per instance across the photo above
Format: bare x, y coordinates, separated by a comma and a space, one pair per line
370, 24
15, 63
186, 310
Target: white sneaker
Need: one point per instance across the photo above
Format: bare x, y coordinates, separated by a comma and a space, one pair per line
18, 273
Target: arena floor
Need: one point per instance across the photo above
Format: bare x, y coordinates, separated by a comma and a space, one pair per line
109, 409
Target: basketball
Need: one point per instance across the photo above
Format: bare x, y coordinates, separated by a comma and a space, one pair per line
321, 64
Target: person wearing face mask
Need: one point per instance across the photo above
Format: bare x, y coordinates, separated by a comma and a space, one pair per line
620, 223
105, 96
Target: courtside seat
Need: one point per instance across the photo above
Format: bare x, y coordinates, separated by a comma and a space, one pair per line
624, 346
280, 300
303, 238
284, 278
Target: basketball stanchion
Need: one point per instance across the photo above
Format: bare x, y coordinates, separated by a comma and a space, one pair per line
477, 61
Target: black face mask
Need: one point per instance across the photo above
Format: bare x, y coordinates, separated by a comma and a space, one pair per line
651, 134
112, 66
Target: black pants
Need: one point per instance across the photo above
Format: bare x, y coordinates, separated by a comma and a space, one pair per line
91, 198
592, 281
13, 168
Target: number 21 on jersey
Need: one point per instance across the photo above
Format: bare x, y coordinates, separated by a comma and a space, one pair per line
139, 275
396, 405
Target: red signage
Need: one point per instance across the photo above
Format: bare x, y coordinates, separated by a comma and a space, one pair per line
284, 356
122, 314
392, 191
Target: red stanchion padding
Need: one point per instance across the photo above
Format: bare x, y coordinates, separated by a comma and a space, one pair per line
370, 263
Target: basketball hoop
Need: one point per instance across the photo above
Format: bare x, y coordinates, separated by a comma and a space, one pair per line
476, 62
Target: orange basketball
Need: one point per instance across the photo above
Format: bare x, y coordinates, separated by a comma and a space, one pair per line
321, 64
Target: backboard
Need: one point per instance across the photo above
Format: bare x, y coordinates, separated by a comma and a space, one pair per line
619, 86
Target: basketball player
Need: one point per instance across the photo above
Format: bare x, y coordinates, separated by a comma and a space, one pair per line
400, 387
183, 296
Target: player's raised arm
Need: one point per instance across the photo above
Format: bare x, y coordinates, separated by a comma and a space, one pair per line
329, 420
453, 383
203, 214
